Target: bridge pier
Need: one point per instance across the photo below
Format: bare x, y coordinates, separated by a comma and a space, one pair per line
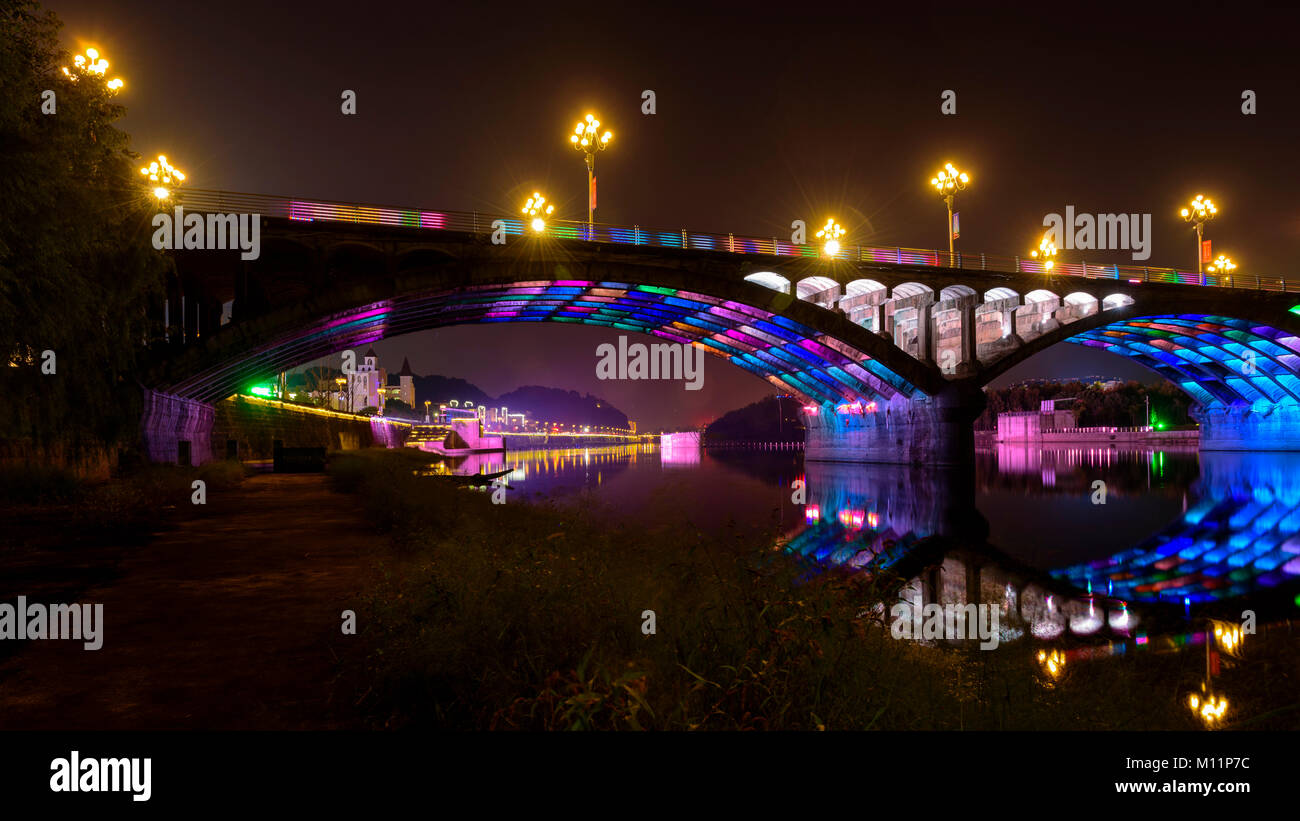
1243, 428
175, 430
929, 430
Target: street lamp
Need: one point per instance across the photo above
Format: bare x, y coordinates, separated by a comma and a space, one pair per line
831, 233
427, 420
948, 182
92, 63
586, 138
1202, 211
534, 208
162, 174
1046, 252
1222, 265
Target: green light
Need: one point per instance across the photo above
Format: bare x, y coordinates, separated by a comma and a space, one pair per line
1296, 309
260, 390
1297, 599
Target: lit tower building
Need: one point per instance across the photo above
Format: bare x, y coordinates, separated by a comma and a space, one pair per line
365, 382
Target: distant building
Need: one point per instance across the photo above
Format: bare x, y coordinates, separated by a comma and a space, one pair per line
1023, 426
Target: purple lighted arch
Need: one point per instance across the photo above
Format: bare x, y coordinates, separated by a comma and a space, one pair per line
795, 358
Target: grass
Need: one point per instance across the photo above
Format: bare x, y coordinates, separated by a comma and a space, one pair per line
529, 617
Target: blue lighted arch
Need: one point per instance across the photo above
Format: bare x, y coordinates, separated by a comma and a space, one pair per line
1219, 361
794, 357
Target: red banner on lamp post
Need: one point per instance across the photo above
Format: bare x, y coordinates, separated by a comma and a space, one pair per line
1206, 256
593, 193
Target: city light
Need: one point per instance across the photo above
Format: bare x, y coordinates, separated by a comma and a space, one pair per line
948, 182
1209, 709
1052, 664
831, 233
586, 138
93, 64
1202, 210
1222, 265
1046, 252
163, 174
538, 209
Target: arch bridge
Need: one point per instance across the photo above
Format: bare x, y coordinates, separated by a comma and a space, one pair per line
888, 348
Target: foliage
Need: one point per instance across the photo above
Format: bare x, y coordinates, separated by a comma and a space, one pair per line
76, 264
1123, 406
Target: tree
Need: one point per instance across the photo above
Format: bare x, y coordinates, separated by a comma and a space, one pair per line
77, 268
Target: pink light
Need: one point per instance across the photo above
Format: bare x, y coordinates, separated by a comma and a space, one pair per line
852, 519
812, 514
810, 409
1135, 282
429, 219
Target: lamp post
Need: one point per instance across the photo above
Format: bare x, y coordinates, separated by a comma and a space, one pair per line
536, 210
1202, 210
948, 182
1046, 252
92, 64
163, 175
427, 420
587, 139
1223, 265
831, 233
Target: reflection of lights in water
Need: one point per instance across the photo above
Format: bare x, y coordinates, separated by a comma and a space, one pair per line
1229, 637
812, 514
1052, 663
1122, 620
1210, 709
852, 519
873, 519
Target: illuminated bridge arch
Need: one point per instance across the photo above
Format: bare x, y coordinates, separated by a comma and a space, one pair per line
1220, 361
816, 355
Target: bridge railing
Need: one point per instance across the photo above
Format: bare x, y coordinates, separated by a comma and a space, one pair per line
314, 210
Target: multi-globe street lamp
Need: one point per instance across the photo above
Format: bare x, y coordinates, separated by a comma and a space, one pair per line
1202, 210
586, 138
948, 182
831, 234
536, 210
93, 64
1046, 252
1222, 265
164, 176
341, 381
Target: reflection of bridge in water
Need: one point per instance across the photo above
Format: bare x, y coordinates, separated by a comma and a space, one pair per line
1241, 535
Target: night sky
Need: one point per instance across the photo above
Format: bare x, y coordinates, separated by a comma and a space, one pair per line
765, 113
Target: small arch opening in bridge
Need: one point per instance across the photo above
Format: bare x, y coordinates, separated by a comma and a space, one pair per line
995, 294
956, 292
770, 279
1116, 301
908, 289
822, 291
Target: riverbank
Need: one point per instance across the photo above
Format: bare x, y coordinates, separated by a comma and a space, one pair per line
222, 616
518, 616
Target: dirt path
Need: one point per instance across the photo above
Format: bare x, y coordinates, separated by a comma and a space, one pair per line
230, 620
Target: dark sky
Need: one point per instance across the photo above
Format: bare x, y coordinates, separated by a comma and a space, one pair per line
765, 113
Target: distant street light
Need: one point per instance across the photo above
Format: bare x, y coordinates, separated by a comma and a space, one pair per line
831, 233
92, 64
948, 182
587, 139
1222, 265
163, 175
1202, 211
427, 420
537, 208
1046, 252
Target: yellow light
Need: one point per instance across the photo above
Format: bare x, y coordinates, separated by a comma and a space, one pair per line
160, 193
92, 53
539, 224
832, 247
